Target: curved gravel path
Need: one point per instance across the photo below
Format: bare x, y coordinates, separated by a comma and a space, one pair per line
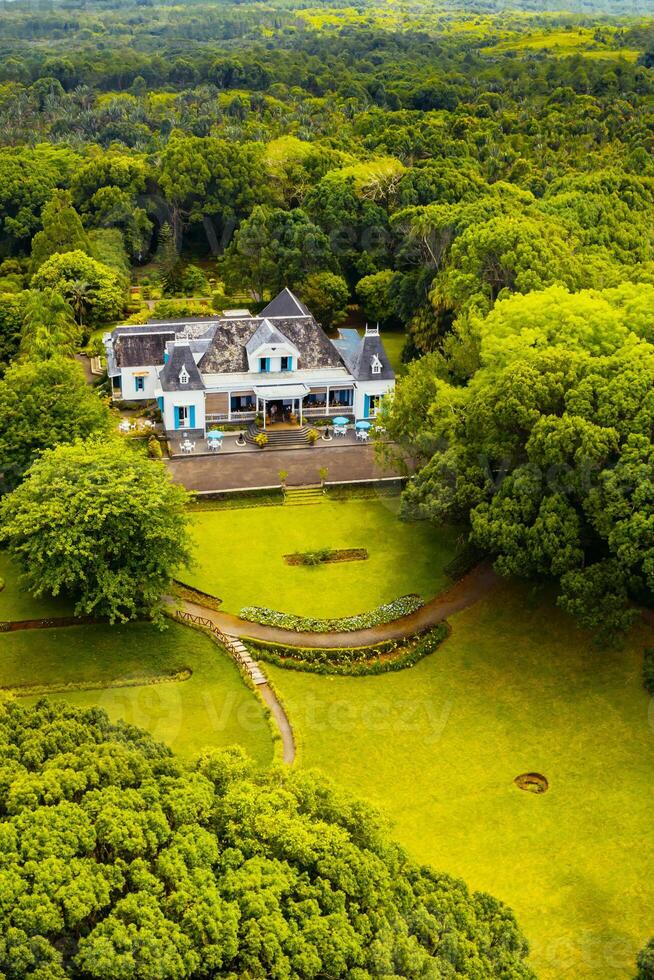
468, 590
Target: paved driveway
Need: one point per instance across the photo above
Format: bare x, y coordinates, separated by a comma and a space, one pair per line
254, 470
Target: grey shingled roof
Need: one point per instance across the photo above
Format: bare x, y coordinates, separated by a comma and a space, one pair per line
180, 357
285, 304
139, 346
358, 358
227, 353
265, 334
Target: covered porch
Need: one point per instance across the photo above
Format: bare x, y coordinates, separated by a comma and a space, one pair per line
281, 404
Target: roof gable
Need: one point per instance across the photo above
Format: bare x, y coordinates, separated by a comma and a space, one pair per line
285, 304
180, 366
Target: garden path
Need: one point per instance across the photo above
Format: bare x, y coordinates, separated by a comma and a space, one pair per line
462, 594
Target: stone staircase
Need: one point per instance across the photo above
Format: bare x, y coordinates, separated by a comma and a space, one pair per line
241, 655
297, 496
280, 438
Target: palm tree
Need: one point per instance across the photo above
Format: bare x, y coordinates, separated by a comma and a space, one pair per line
79, 294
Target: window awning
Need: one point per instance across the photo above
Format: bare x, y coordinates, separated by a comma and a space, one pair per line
273, 392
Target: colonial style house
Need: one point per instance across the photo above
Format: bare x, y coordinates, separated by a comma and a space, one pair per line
278, 364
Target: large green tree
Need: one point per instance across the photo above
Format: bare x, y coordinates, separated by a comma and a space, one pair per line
100, 522
42, 404
274, 248
550, 458
95, 291
62, 230
49, 327
121, 862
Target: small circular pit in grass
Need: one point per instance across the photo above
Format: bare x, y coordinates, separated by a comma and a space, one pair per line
532, 782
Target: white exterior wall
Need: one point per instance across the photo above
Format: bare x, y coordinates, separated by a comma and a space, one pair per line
173, 399
128, 383
369, 388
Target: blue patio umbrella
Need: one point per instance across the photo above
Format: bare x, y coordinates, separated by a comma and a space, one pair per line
362, 424
340, 420
215, 434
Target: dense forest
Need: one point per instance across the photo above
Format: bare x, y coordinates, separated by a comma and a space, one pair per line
477, 180
482, 181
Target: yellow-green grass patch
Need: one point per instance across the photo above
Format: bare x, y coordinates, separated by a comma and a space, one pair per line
213, 708
240, 556
515, 689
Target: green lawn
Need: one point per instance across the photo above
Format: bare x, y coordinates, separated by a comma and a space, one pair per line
213, 708
240, 556
515, 689
16, 603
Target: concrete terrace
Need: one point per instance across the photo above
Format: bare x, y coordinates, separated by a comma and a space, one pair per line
259, 468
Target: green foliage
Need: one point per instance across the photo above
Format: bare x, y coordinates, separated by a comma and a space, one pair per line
169, 870
49, 327
645, 962
62, 230
549, 457
648, 670
383, 658
154, 448
44, 404
101, 523
11, 326
374, 294
275, 248
326, 295
93, 289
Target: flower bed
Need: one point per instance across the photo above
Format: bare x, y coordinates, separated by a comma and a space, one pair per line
391, 655
325, 556
375, 617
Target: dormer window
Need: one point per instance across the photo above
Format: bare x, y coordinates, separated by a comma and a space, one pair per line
183, 376
375, 364
286, 363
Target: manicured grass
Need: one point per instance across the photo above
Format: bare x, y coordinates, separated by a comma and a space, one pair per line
240, 556
515, 689
16, 603
213, 708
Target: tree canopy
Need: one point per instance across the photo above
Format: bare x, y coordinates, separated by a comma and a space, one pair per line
44, 403
101, 523
120, 861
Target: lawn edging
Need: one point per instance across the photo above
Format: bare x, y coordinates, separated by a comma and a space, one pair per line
35, 690
352, 661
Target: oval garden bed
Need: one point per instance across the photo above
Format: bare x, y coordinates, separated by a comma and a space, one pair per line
325, 556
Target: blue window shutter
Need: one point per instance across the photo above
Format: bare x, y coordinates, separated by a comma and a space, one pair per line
176, 417
191, 416
166, 356
160, 403
267, 364
366, 406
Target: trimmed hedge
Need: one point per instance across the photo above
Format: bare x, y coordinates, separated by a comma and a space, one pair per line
354, 662
300, 624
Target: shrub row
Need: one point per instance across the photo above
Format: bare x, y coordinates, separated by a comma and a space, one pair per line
354, 662
375, 617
